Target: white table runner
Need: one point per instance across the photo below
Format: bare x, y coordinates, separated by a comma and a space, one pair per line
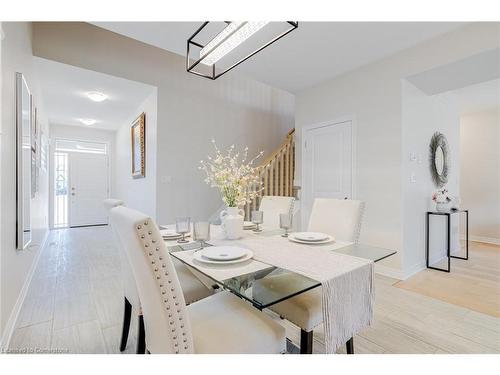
347, 282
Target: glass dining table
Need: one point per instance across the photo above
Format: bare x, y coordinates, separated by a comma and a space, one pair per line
244, 285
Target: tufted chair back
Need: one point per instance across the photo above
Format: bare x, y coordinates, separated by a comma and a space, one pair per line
272, 207
340, 218
129, 287
111, 203
166, 321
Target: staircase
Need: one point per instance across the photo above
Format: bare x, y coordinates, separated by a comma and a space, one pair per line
276, 174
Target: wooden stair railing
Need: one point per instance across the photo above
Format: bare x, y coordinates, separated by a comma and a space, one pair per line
276, 174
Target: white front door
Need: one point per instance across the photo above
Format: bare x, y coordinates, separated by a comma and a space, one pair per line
327, 164
88, 188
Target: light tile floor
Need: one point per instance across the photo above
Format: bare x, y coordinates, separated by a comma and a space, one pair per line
75, 304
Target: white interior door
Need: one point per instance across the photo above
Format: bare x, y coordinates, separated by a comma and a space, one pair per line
327, 164
88, 188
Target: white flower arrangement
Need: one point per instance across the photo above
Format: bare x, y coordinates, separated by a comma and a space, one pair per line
236, 180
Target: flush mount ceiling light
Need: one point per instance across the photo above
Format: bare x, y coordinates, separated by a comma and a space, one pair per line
96, 96
226, 43
87, 121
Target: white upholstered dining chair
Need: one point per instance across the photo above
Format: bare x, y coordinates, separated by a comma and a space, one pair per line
272, 207
192, 288
221, 323
342, 219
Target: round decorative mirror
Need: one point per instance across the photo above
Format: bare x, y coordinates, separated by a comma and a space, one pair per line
439, 159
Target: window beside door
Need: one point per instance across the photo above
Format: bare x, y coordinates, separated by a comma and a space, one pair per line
80, 183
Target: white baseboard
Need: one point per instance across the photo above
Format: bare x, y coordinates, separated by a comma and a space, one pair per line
11, 323
490, 240
388, 271
440, 259
399, 274
414, 269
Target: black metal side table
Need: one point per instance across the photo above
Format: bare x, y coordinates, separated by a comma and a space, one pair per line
448, 239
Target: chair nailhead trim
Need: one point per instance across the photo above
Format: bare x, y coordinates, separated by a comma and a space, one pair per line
169, 296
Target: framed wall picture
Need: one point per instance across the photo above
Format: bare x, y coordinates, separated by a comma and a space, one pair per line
138, 135
44, 153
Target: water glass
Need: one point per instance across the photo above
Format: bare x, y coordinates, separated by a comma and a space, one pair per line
257, 218
285, 223
183, 226
201, 232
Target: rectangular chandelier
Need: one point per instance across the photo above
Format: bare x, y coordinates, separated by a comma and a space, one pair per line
233, 43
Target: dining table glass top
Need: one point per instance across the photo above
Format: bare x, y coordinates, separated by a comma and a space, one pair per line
264, 284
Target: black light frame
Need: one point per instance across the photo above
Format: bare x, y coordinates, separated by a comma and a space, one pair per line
213, 76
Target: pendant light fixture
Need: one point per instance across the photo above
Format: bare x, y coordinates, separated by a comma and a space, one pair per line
226, 43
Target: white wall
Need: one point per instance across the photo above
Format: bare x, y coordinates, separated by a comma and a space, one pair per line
422, 116
191, 110
480, 173
16, 265
138, 193
80, 133
372, 95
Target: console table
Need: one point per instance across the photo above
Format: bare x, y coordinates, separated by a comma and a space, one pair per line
448, 240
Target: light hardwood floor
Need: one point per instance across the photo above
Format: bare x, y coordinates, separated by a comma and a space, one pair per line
473, 283
74, 305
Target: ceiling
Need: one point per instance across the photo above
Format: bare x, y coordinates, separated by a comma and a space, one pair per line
313, 53
482, 67
64, 89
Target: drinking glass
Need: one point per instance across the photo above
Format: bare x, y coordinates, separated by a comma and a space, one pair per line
285, 223
183, 226
257, 218
201, 232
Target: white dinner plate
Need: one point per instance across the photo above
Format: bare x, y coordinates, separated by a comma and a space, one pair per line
224, 253
293, 238
311, 236
169, 233
248, 224
198, 256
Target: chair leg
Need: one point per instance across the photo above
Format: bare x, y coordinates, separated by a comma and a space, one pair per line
127, 312
306, 342
141, 337
349, 345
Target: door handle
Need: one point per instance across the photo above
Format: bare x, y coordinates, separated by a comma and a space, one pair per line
73, 194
